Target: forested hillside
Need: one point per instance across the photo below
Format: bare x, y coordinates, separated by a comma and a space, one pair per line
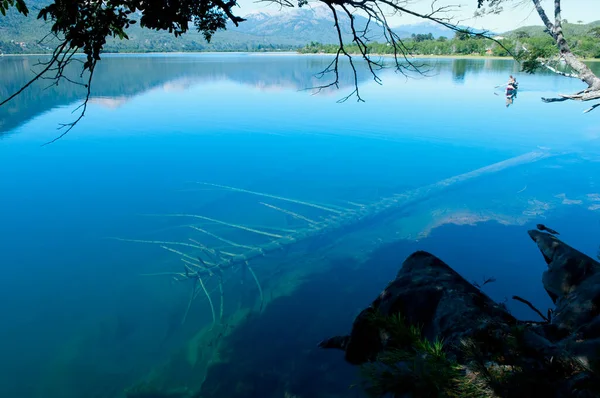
583, 39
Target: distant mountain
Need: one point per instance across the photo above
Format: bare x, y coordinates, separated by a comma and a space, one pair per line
262, 31
302, 25
423, 28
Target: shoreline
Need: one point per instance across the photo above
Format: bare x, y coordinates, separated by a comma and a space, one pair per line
162, 53
457, 56
433, 56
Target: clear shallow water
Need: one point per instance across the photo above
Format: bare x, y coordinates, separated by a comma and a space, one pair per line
78, 320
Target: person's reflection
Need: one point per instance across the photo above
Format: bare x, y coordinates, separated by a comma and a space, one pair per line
511, 94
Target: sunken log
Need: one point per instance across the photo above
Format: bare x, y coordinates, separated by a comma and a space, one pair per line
497, 354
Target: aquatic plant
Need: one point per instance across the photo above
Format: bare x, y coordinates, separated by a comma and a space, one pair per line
201, 263
489, 364
412, 364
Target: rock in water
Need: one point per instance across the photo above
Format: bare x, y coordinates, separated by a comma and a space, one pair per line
426, 292
504, 356
572, 281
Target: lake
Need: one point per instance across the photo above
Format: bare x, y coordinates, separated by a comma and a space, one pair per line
146, 173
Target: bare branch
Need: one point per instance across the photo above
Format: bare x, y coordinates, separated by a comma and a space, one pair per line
54, 69
377, 18
362, 47
546, 64
69, 126
522, 300
484, 282
333, 67
559, 99
55, 55
589, 110
558, 72
585, 95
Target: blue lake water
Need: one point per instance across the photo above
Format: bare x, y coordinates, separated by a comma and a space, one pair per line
79, 320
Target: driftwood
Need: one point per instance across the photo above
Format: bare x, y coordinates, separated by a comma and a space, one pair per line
552, 358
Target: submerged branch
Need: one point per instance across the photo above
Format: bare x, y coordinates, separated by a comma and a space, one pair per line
260, 292
235, 262
272, 197
189, 305
220, 238
522, 300
158, 242
222, 299
212, 307
256, 231
291, 213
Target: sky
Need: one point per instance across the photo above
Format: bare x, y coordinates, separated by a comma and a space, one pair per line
518, 13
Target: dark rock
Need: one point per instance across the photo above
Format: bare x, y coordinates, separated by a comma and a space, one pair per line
426, 292
550, 358
572, 282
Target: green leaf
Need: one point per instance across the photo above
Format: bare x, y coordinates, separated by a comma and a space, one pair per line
22, 7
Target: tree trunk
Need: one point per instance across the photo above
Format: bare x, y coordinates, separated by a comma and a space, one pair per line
583, 71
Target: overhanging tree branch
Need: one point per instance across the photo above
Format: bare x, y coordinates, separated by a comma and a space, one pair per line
546, 64
376, 12
58, 51
85, 26
583, 72
538, 59
69, 126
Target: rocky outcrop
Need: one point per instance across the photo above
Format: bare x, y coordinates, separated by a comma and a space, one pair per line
427, 292
572, 281
554, 357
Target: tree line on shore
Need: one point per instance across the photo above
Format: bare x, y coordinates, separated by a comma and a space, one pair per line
584, 45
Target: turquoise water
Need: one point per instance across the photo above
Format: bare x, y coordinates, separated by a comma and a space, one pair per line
79, 320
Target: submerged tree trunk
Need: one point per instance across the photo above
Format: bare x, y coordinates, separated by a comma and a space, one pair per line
495, 354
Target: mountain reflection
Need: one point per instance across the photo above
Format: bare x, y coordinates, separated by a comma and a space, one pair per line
118, 78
